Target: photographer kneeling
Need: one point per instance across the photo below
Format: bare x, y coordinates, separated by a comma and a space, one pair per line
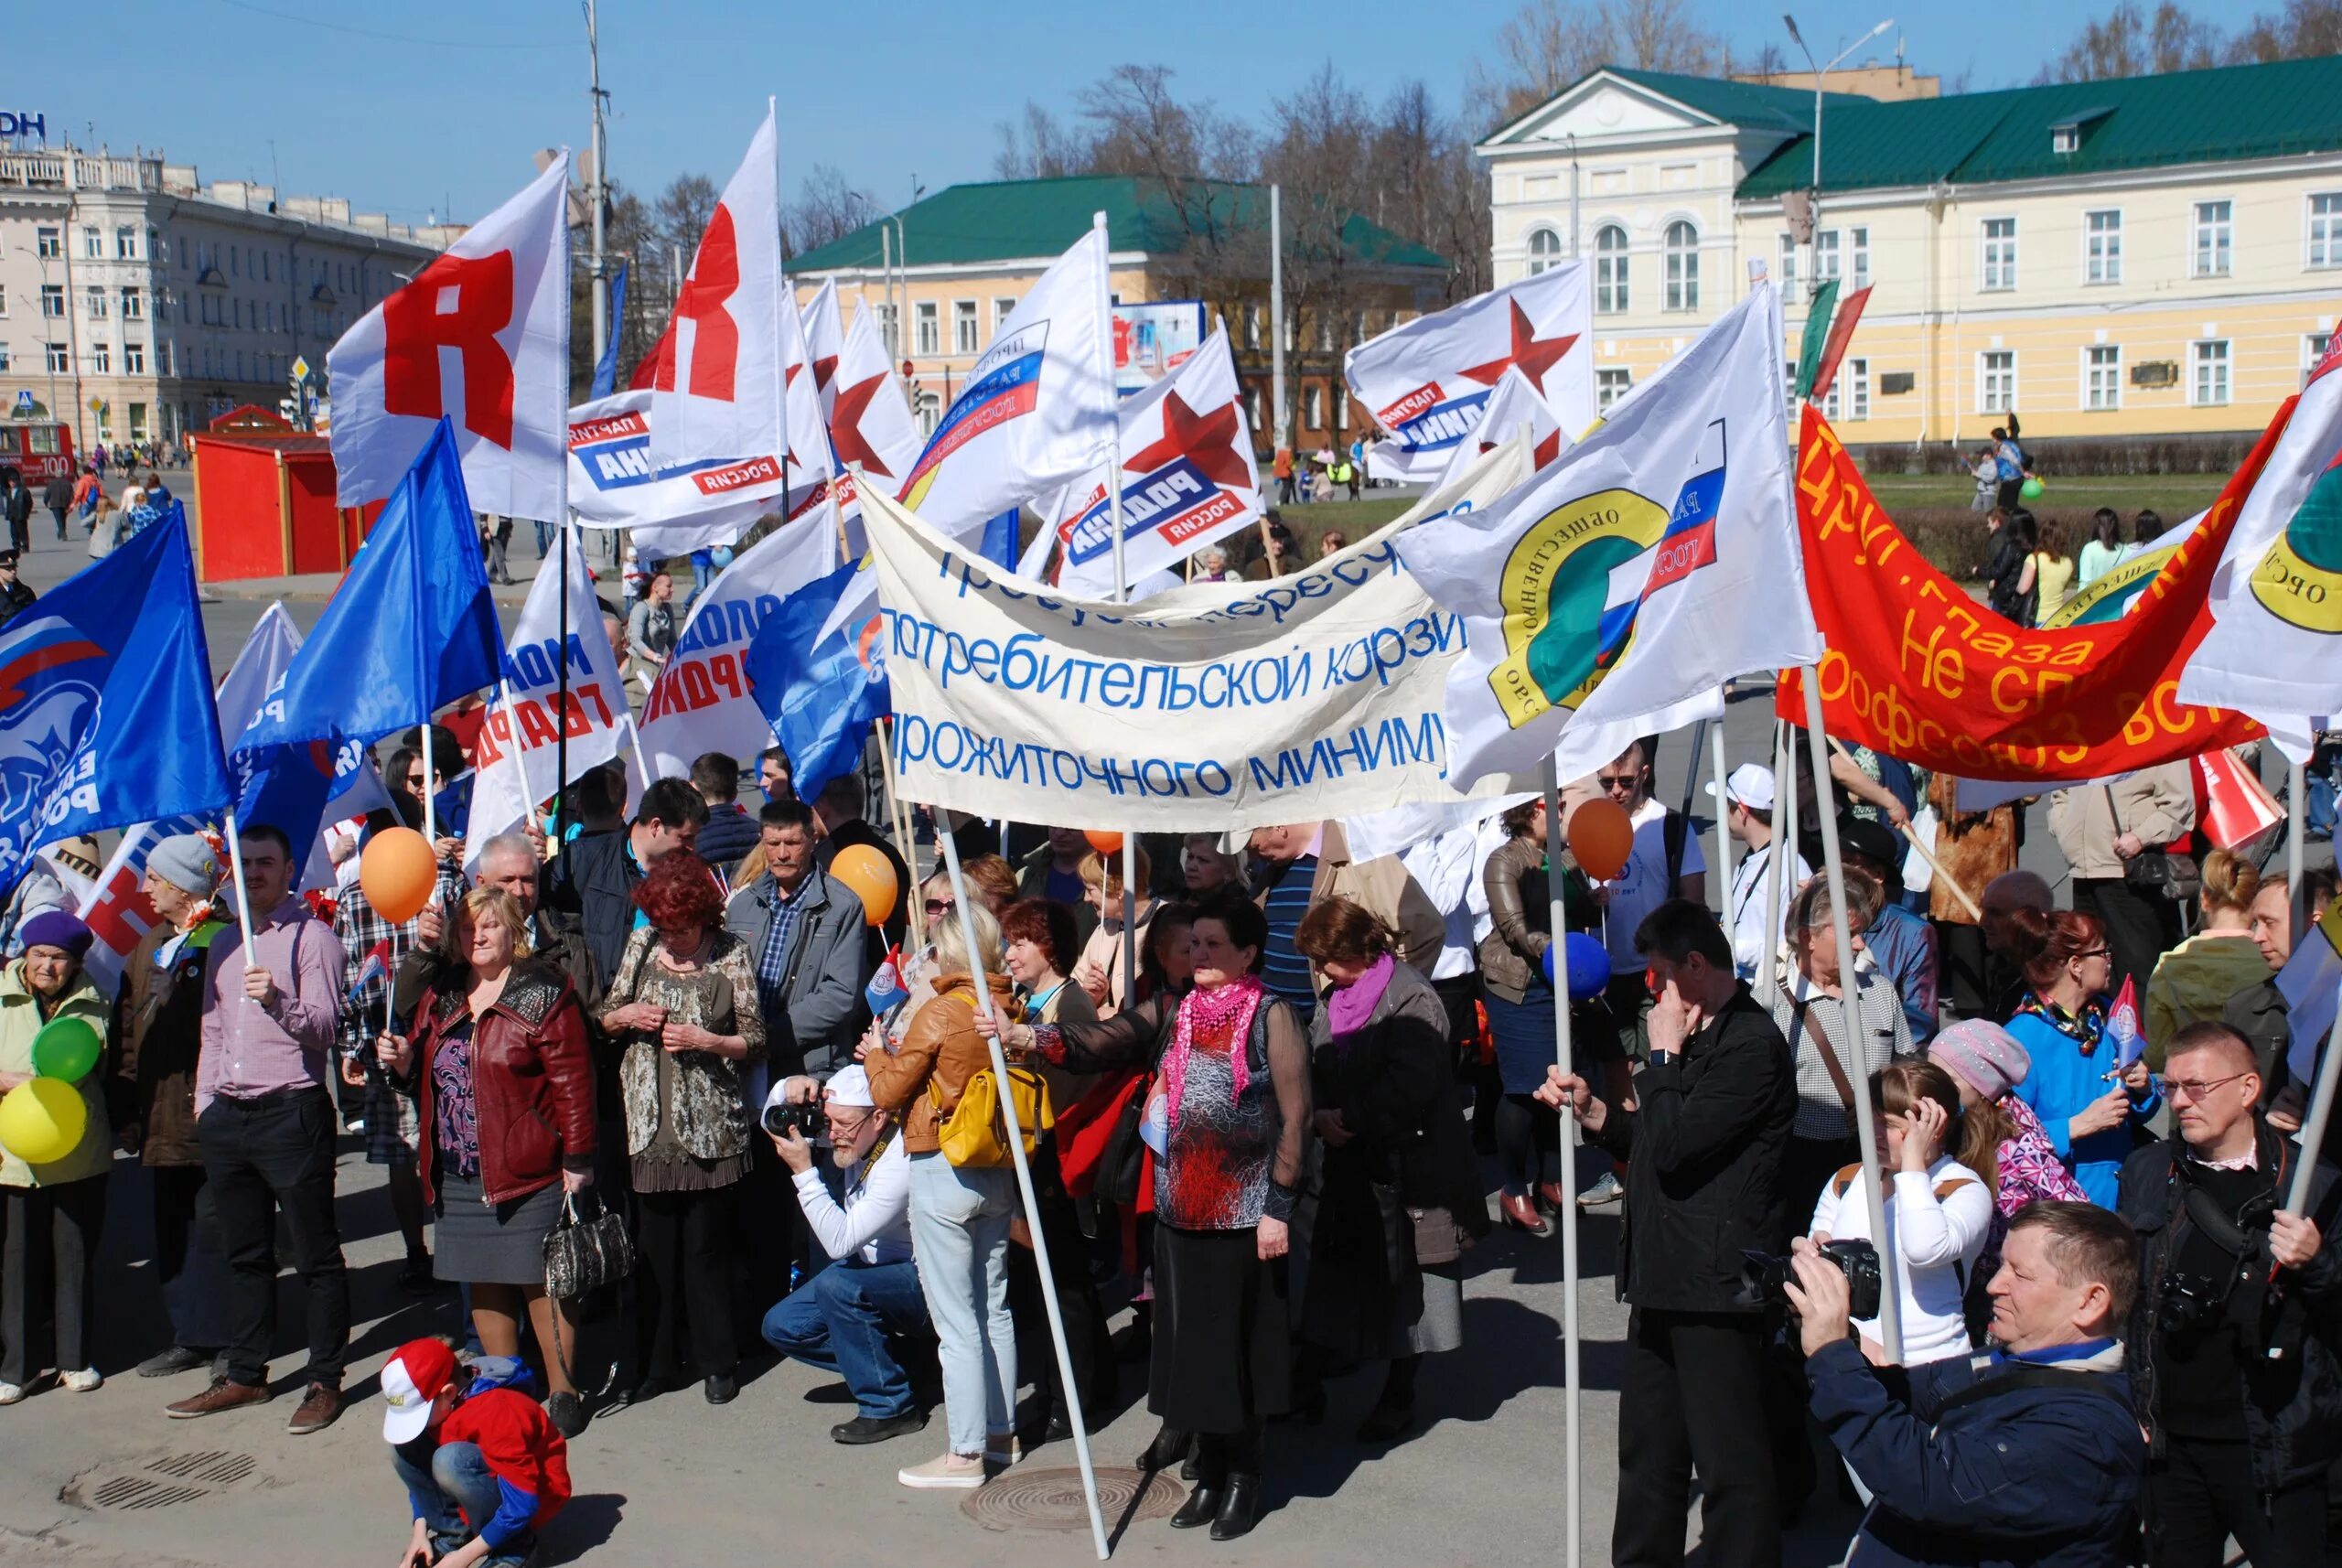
2029, 1453
849, 1317
2235, 1333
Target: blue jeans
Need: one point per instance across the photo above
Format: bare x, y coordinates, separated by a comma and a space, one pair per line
544, 539
960, 1230
458, 1479
843, 1319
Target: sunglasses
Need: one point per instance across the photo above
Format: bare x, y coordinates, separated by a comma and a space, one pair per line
940, 905
1619, 781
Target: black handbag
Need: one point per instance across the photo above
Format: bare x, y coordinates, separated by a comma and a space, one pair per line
2156, 870
584, 1255
1121, 1163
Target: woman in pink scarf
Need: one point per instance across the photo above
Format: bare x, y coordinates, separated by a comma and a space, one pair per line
1228, 1116
1987, 1063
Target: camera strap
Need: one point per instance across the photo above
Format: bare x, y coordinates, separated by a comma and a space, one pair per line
2024, 1376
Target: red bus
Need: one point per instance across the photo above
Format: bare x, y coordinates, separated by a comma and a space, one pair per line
38, 452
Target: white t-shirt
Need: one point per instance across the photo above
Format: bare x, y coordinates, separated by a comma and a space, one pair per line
1642, 886
1939, 1240
1747, 912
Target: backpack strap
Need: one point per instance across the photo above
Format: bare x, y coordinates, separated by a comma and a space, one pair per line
1843, 1182
1946, 1188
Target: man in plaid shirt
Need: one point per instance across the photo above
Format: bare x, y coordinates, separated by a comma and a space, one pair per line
390, 1119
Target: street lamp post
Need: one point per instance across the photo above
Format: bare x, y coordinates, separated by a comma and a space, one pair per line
1813, 194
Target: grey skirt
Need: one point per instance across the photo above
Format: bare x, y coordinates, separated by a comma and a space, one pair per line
474, 1243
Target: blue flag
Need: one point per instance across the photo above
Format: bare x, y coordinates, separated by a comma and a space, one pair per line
999, 546
820, 699
288, 786
105, 702
606, 374
411, 629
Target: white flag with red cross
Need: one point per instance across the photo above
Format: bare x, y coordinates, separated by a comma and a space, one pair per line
715, 390
481, 339
824, 342
871, 428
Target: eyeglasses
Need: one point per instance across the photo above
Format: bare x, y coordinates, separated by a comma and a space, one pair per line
2095, 952
2196, 1088
1619, 780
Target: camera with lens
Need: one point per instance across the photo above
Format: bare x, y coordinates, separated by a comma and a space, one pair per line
1763, 1275
2191, 1303
807, 1121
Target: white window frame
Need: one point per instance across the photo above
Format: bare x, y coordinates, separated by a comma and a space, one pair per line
94, 302
1544, 249
2199, 360
1313, 407
2322, 232
101, 358
926, 327
93, 242
888, 332
2225, 226
1611, 292
49, 243
1853, 379
1611, 383
2108, 258
1788, 265
1988, 375
1680, 293
59, 358
1986, 241
929, 411
966, 328
2113, 383
1251, 322
4, 358
1828, 260
1858, 245
52, 301
133, 359
1003, 307
133, 304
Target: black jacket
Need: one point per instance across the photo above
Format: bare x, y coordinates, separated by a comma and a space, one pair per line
14, 599
589, 889
20, 504
1704, 1157
2292, 1392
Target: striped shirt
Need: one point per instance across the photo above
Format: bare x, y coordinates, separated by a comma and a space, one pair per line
1284, 969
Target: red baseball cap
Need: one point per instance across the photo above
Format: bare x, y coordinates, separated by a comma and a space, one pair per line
412, 1378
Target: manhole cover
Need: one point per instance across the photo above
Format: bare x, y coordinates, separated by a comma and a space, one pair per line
1051, 1500
163, 1481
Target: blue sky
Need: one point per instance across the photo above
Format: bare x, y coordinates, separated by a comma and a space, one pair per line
441, 115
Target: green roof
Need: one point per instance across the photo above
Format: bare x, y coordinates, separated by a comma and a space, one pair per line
1015, 220
2227, 115
1736, 103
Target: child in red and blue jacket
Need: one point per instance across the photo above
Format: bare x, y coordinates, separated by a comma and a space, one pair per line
484, 1469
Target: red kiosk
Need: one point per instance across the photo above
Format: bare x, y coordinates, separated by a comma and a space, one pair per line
265, 501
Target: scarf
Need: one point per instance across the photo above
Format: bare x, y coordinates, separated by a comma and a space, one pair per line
1347, 1010
1227, 1010
2085, 1029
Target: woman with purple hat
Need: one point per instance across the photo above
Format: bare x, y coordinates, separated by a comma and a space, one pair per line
1986, 1063
56, 1209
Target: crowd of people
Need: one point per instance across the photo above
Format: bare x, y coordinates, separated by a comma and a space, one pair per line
1280, 1081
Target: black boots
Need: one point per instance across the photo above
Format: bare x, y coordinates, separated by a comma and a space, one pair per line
1228, 1484
1170, 1447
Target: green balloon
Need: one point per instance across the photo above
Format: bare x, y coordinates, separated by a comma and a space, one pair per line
2030, 490
67, 1048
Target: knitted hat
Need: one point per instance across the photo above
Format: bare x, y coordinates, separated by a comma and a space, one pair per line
57, 929
186, 860
1982, 1055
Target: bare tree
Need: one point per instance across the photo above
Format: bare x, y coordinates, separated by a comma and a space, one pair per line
1549, 44
1038, 148
1430, 188
1320, 148
2305, 27
826, 208
2127, 41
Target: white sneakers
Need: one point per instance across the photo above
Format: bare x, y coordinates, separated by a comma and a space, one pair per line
11, 1393
949, 1471
87, 1381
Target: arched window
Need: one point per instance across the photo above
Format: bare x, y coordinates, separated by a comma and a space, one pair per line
1609, 270
1544, 249
1682, 266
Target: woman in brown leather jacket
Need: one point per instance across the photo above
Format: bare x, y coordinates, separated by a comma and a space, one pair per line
960, 1214
1519, 1001
505, 1088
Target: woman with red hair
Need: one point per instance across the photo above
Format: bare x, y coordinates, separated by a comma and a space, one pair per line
682, 1009
2088, 1102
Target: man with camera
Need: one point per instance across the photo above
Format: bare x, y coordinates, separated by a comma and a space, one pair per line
1703, 1144
2235, 1332
849, 1317
2029, 1453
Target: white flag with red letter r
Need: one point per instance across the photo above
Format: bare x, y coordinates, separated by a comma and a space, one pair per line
480, 338
715, 392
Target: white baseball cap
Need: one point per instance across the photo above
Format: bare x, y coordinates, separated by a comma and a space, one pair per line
849, 1087
1750, 785
412, 1379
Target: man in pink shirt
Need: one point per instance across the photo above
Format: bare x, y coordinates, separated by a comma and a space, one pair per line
264, 1120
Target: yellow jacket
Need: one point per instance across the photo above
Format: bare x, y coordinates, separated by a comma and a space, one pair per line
20, 1020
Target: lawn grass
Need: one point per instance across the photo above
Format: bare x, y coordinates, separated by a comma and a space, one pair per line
2176, 496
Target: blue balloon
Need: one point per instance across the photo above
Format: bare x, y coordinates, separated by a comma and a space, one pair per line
1589, 965
721, 555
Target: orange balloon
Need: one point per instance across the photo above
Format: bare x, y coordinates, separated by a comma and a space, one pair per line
398, 873
871, 875
1601, 836
1105, 841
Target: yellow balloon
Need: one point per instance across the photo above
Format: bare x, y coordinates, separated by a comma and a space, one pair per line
42, 1122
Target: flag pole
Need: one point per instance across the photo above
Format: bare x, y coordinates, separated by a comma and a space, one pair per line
2321, 1110
423, 734
898, 816
1724, 811
1557, 927
1890, 1302
243, 899
1066, 1379
1784, 836
561, 485
1122, 579
1911, 837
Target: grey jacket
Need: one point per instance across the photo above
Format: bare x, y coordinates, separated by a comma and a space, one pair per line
813, 1016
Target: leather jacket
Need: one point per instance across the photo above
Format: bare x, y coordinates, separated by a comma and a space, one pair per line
942, 1047
533, 1082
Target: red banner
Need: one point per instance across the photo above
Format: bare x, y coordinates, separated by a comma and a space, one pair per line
1918, 669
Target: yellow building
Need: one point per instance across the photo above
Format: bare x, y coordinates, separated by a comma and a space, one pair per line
974, 251
2159, 256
